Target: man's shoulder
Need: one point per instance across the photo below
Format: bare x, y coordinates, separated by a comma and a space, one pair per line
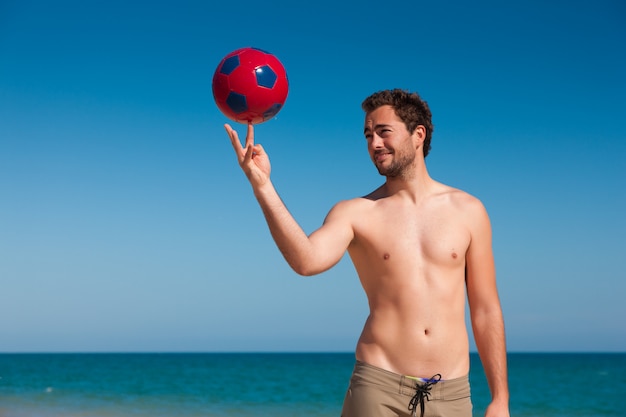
355, 203
458, 198
363, 201
356, 207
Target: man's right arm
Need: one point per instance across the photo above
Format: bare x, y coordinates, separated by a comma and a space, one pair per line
307, 255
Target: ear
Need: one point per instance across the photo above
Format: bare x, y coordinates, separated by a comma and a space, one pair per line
418, 135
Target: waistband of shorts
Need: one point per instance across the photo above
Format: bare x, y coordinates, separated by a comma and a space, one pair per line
447, 389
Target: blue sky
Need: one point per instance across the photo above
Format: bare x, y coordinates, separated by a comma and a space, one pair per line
127, 225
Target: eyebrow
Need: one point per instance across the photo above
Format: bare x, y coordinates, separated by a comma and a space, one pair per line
378, 126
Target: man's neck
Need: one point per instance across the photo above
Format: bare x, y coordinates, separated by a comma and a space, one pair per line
416, 184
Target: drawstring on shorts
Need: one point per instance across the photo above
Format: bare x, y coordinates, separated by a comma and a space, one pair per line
422, 394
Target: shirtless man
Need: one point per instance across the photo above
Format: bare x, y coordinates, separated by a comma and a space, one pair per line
419, 247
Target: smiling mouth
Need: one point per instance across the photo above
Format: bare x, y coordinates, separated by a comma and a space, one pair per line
381, 155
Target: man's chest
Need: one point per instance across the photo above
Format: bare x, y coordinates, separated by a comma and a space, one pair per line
430, 236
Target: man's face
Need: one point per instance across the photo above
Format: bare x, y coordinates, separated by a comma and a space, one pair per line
389, 143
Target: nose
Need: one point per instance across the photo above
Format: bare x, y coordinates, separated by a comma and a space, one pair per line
376, 142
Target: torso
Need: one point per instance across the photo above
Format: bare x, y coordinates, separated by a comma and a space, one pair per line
410, 258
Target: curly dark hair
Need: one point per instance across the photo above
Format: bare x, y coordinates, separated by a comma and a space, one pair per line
409, 107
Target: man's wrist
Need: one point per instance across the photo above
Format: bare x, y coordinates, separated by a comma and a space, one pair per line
263, 190
502, 399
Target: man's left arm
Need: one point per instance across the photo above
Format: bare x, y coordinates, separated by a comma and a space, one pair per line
485, 310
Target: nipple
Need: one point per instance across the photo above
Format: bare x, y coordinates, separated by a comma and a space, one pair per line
385, 256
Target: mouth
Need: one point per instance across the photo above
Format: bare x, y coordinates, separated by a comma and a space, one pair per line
380, 156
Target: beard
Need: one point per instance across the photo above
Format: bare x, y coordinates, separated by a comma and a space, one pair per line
399, 166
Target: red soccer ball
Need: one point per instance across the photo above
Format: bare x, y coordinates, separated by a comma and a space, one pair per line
250, 86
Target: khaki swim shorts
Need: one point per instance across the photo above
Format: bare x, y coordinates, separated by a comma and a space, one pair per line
375, 392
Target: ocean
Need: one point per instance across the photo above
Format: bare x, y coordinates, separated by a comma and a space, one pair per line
277, 384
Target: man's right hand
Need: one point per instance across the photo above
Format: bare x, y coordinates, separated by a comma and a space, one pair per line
252, 158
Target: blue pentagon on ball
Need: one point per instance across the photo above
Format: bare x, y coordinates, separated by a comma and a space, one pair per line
265, 76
